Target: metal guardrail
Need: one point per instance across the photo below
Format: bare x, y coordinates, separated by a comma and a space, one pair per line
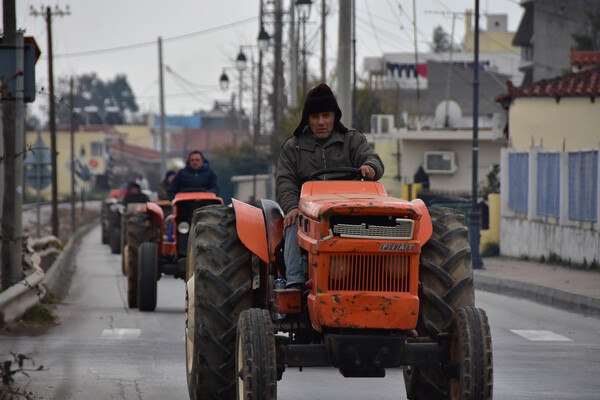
17, 299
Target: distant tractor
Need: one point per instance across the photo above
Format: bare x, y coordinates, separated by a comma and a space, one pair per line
156, 243
389, 284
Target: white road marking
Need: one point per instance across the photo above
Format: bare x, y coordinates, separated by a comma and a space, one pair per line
120, 333
541, 336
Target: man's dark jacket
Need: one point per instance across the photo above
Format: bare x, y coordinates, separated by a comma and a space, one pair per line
201, 180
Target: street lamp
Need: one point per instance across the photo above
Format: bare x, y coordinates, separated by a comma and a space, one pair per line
240, 65
224, 81
263, 39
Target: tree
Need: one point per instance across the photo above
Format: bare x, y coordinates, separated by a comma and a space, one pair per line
441, 40
589, 39
229, 160
105, 102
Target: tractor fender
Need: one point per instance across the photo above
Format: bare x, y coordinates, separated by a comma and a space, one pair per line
425, 226
251, 228
274, 221
157, 217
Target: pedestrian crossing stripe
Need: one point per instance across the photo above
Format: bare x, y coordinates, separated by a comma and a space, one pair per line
541, 336
120, 333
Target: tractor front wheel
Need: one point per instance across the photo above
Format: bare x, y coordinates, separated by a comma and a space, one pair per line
471, 354
218, 289
147, 276
256, 360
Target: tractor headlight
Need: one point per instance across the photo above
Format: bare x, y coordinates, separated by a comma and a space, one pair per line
183, 228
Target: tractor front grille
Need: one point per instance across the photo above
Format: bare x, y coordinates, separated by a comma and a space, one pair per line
369, 273
402, 230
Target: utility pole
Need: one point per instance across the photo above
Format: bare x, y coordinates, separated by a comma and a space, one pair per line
11, 235
72, 137
354, 123
48, 13
278, 73
454, 14
344, 94
417, 65
323, 40
161, 95
474, 234
293, 54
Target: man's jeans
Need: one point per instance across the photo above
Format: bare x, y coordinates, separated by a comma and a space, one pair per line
291, 255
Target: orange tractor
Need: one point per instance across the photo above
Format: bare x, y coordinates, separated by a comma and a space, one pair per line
155, 242
389, 284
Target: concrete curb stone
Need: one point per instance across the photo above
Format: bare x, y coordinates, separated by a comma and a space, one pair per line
583, 304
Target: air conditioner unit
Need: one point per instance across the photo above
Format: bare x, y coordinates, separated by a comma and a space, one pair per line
382, 123
439, 162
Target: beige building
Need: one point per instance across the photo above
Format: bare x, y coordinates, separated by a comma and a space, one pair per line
90, 147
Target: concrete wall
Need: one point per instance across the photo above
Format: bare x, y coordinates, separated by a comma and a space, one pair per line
532, 235
520, 237
546, 123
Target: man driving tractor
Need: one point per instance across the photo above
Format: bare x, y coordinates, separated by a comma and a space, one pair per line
320, 141
196, 175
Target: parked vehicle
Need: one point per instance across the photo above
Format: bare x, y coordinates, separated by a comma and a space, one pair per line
156, 243
389, 285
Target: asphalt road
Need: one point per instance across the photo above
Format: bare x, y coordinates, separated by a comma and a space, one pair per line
102, 350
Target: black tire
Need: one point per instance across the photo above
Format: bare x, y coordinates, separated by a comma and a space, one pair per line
104, 224
147, 276
471, 352
256, 356
139, 230
446, 276
115, 241
218, 289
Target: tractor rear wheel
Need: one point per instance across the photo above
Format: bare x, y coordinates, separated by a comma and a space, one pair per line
471, 353
218, 289
446, 276
115, 241
147, 276
139, 230
256, 360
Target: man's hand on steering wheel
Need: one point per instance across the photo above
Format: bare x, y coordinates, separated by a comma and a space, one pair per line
367, 172
290, 218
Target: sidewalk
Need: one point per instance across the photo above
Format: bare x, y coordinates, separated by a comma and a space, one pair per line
557, 286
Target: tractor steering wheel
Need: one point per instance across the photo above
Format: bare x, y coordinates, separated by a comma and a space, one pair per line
349, 170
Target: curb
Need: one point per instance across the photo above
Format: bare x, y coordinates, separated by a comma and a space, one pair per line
582, 304
51, 280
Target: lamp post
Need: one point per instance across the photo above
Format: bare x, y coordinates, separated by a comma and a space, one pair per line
303, 7
263, 45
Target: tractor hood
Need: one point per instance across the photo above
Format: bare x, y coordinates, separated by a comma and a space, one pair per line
321, 199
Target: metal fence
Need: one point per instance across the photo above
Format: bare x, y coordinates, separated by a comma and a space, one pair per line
583, 185
518, 172
548, 184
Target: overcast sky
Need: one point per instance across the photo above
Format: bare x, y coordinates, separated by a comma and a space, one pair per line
201, 37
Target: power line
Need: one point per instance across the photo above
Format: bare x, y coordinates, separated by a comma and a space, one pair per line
153, 42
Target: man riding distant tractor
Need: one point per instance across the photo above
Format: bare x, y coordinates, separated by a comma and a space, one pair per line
373, 282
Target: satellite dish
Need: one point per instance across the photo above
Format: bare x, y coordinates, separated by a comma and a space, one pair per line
448, 110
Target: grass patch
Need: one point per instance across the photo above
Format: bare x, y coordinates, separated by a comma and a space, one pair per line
555, 259
490, 250
38, 314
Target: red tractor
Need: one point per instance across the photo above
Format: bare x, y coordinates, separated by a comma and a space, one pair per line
389, 284
156, 243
